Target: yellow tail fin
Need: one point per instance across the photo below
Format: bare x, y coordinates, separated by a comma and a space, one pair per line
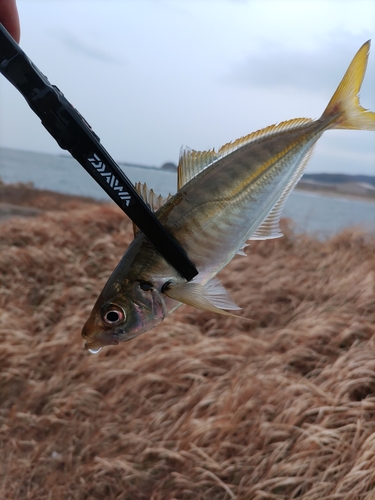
345, 101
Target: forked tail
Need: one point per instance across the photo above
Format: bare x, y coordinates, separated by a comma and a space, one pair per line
345, 101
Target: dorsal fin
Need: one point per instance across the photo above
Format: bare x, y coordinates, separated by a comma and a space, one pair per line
270, 228
192, 162
261, 134
153, 201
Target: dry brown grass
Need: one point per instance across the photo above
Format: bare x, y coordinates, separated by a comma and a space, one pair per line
202, 407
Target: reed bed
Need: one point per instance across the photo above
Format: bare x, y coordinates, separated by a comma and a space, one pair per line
203, 406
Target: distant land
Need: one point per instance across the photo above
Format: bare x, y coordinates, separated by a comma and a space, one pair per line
358, 186
339, 184
169, 166
340, 178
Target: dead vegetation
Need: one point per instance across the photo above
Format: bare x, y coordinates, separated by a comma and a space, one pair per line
202, 407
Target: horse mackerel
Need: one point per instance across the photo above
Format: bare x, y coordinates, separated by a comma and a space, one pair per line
224, 198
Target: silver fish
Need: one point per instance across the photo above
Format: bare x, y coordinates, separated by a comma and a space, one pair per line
224, 198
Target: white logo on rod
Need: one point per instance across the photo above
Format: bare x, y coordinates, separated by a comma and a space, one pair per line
110, 178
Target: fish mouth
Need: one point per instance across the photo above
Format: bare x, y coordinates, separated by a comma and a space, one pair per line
100, 340
97, 344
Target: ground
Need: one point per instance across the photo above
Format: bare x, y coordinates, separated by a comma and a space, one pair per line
203, 406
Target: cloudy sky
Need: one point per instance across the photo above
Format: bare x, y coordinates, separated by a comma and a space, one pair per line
153, 75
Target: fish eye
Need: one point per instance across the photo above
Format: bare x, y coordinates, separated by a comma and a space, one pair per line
145, 286
113, 315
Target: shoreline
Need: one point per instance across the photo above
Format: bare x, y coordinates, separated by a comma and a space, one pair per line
331, 193
25, 200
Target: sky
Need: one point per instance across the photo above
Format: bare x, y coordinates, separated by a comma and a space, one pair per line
151, 76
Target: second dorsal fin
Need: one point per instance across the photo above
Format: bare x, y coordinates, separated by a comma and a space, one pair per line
192, 162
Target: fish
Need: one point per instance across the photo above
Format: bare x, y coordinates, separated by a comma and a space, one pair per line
224, 199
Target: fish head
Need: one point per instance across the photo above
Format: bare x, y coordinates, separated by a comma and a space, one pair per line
137, 307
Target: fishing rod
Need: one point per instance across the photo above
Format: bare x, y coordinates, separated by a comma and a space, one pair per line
73, 133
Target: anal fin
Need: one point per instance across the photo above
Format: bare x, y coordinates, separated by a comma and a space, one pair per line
270, 228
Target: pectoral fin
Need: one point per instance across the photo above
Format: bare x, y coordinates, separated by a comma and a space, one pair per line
210, 297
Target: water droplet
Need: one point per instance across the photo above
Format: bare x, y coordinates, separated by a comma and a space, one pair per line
95, 350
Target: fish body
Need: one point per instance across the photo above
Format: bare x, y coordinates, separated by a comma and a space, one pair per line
224, 199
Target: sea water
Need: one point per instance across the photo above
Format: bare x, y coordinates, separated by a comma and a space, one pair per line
322, 215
